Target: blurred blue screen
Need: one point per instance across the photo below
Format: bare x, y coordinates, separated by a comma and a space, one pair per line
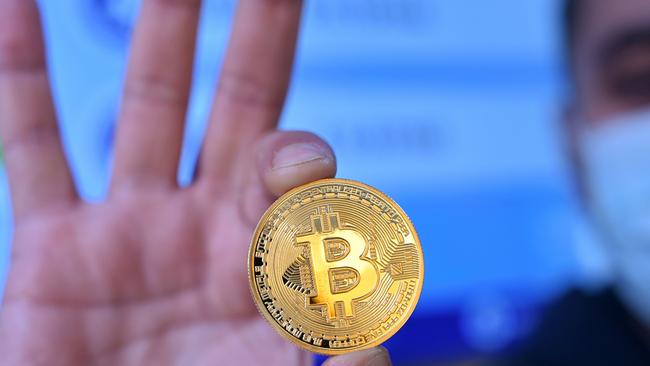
449, 106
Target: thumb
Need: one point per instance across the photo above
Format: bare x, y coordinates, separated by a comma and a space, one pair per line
287, 159
377, 356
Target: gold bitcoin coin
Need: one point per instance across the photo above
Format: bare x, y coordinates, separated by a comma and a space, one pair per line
335, 266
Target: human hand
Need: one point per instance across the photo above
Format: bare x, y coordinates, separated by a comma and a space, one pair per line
156, 273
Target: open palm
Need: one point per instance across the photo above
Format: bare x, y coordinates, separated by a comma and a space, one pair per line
156, 274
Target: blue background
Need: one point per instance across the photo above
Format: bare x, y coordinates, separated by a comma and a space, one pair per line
450, 106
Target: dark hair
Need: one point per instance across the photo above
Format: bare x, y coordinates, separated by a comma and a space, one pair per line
572, 12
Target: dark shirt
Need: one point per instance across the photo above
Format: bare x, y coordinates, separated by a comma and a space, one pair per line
585, 329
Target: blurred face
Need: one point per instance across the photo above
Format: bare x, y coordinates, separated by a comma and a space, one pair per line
612, 59
611, 137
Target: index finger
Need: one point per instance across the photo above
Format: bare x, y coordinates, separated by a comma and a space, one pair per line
254, 80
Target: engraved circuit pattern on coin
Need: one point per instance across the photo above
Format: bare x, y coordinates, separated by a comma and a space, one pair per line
335, 266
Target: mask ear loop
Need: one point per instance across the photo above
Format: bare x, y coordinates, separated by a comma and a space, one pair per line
591, 255
592, 262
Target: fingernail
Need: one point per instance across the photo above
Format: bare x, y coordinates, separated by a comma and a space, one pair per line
377, 356
298, 154
380, 358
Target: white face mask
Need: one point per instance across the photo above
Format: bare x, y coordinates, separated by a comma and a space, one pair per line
617, 163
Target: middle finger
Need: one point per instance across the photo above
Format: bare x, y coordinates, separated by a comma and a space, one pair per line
156, 93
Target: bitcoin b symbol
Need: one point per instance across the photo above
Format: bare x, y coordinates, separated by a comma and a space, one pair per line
341, 273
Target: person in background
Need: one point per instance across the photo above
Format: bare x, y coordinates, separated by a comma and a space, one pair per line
608, 125
155, 274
